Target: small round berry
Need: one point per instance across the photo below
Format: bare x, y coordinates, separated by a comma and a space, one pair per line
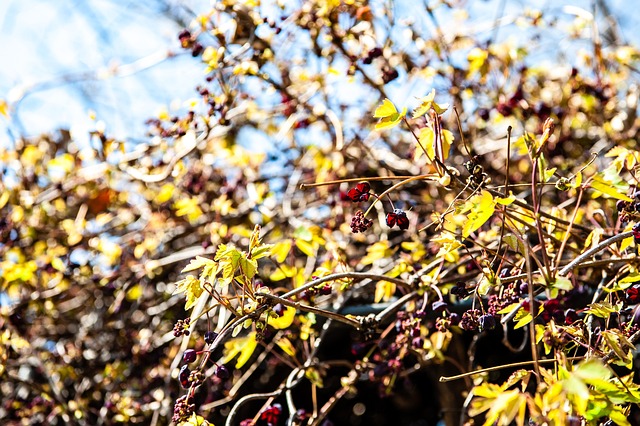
487, 322
439, 306
633, 294
184, 376
636, 232
455, 319
570, 316
326, 290
279, 309
189, 356
222, 372
210, 336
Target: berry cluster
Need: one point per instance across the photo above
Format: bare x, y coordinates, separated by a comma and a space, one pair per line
361, 192
181, 328
372, 54
188, 41
182, 409
359, 223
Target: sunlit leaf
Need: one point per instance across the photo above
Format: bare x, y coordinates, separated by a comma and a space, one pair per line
192, 289
384, 291
388, 115
285, 320
242, 346
481, 208
198, 263
281, 249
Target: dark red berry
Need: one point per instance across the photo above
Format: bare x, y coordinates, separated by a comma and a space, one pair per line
360, 192
621, 205
397, 217
633, 294
222, 372
570, 316
326, 289
210, 336
279, 309
189, 356
636, 232
184, 376
272, 414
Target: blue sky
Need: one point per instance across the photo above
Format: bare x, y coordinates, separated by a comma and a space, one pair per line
44, 42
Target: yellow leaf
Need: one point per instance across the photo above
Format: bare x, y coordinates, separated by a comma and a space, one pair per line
593, 239
506, 201
192, 289
286, 345
388, 115
384, 291
188, 207
376, 251
386, 109
4, 198
284, 271
198, 263
244, 346
165, 193
427, 103
426, 138
477, 58
481, 209
448, 246
281, 250
134, 293
608, 189
627, 241
306, 247
4, 108
285, 320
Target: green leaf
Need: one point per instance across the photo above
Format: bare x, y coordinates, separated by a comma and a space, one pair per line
260, 251
562, 283
592, 369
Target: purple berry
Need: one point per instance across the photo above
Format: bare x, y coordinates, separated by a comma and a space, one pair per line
210, 336
439, 306
487, 322
189, 356
184, 376
279, 309
222, 372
